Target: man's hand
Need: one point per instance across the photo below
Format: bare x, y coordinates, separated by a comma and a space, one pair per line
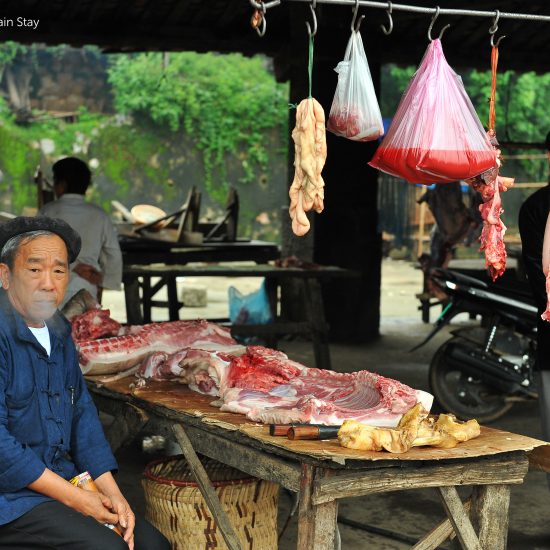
89, 503
126, 518
96, 505
88, 273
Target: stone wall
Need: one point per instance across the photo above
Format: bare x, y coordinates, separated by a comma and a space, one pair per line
64, 79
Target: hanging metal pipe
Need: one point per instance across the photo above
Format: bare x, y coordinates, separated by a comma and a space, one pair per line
413, 9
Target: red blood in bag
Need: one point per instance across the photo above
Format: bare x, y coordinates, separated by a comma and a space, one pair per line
428, 165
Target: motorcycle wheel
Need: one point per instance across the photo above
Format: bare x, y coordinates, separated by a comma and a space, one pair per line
461, 394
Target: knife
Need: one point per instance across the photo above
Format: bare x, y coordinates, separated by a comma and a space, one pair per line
312, 431
282, 429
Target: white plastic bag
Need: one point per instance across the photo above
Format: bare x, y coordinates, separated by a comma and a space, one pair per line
355, 113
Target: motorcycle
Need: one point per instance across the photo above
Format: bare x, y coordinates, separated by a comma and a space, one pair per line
483, 369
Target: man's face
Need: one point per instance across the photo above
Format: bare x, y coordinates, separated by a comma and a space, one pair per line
39, 278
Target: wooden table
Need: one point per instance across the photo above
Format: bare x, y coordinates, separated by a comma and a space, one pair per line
323, 472
142, 251
139, 291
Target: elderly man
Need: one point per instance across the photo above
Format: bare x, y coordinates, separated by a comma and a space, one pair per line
49, 428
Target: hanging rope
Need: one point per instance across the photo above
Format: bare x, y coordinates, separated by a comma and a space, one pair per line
310, 62
492, 99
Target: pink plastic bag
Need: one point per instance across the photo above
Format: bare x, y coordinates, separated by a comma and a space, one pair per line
435, 135
355, 113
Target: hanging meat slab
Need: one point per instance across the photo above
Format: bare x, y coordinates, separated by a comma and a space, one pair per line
489, 184
310, 153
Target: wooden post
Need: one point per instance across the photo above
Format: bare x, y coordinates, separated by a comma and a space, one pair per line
461, 522
317, 524
439, 534
173, 300
421, 226
132, 300
313, 298
207, 491
489, 514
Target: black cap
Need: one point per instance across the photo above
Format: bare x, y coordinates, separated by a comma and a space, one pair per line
24, 224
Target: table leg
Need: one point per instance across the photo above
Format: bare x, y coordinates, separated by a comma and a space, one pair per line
317, 524
206, 489
173, 302
146, 298
458, 517
132, 301
490, 515
316, 317
271, 287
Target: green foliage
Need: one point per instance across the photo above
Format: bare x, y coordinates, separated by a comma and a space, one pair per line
222, 101
131, 158
9, 51
17, 161
20, 150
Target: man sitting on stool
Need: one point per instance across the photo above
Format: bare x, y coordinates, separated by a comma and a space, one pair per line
49, 428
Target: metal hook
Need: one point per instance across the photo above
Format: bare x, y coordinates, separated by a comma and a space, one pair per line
354, 27
494, 28
259, 21
390, 27
434, 17
312, 8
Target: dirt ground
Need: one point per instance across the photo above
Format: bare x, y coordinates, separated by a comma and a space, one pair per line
402, 516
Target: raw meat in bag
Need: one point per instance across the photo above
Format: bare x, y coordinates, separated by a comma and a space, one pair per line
355, 113
435, 135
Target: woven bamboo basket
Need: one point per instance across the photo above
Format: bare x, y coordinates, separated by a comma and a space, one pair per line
175, 506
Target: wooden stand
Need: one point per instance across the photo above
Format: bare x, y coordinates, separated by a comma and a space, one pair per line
323, 472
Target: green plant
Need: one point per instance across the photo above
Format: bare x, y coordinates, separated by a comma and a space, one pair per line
225, 102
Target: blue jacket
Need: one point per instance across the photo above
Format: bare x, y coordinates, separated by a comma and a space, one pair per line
47, 417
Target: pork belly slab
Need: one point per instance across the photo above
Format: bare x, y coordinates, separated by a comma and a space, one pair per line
112, 355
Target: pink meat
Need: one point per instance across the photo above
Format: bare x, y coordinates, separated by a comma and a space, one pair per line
546, 315
111, 355
261, 369
489, 184
266, 386
326, 397
94, 323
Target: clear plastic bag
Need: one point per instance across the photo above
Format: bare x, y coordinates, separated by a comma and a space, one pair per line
355, 113
249, 309
435, 135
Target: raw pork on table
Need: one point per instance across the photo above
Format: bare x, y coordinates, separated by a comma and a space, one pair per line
262, 383
266, 386
112, 355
